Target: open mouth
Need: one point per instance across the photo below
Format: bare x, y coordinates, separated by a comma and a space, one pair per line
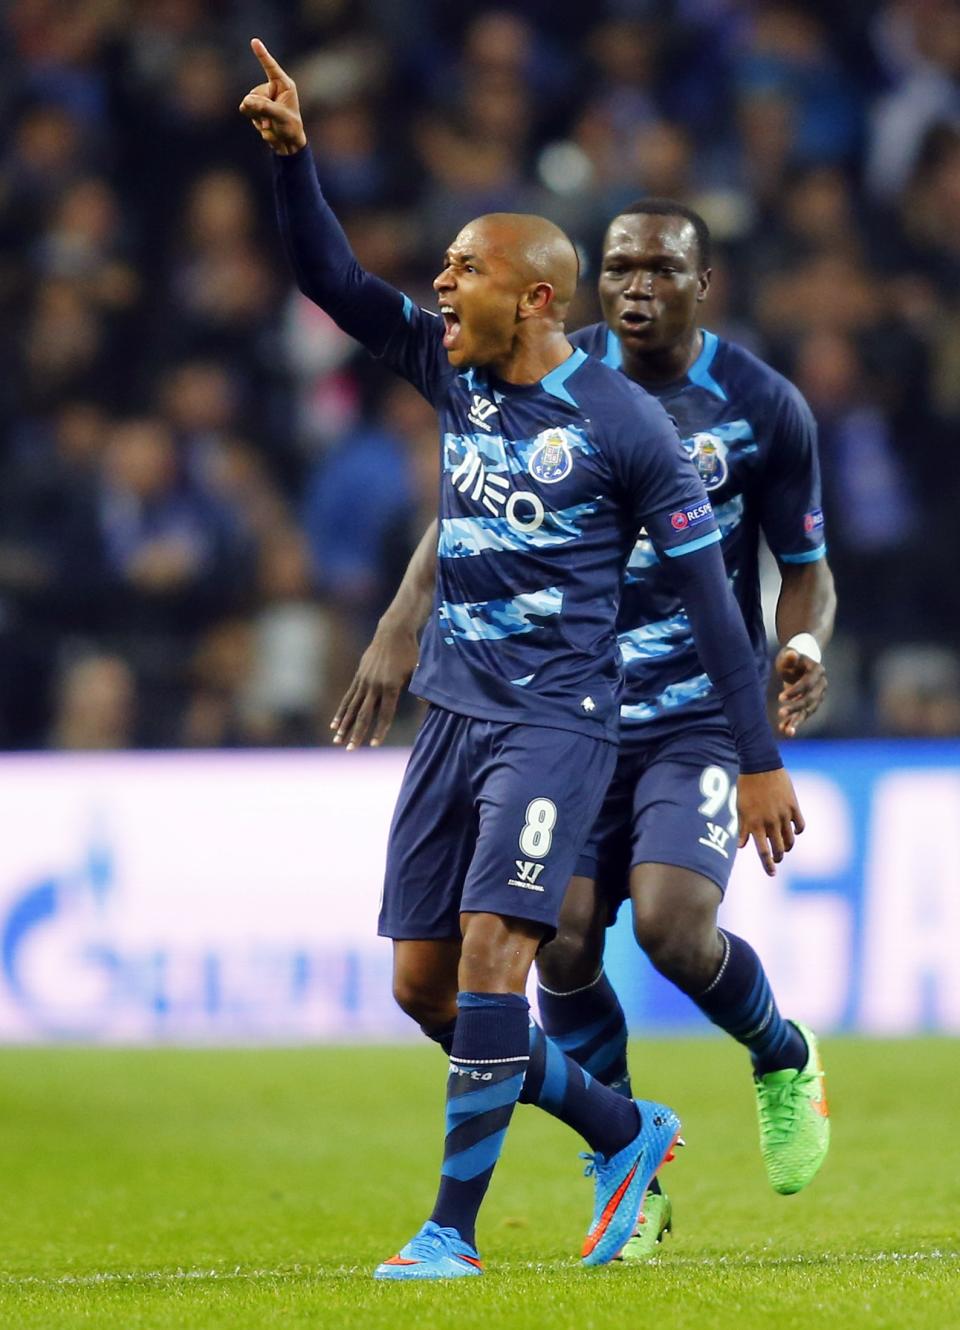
634, 320
451, 323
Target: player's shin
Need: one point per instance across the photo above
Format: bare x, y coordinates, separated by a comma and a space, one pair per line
555, 1083
741, 1002
487, 1065
588, 1025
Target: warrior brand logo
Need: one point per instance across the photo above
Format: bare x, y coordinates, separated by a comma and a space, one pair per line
523, 509
588, 704
527, 875
481, 409
716, 839
551, 460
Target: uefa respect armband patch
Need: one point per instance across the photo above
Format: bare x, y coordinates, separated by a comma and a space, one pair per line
687, 517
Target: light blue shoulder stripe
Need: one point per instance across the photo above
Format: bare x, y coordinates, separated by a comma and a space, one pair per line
553, 383
613, 356
699, 371
807, 556
407, 308
710, 538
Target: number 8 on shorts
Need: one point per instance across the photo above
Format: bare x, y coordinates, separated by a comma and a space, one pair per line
537, 834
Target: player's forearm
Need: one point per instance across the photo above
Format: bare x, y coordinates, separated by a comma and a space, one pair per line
324, 265
411, 606
726, 654
807, 602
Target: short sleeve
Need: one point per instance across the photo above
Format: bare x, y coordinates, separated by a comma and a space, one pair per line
664, 488
415, 350
789, 496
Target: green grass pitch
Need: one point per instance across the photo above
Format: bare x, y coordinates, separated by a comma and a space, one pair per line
257, 1188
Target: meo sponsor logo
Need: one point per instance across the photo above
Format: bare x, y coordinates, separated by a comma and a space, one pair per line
691, 516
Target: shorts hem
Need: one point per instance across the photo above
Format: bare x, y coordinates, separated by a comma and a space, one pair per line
697, 868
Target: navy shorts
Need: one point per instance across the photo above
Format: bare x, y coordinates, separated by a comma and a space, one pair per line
671, 801
490, 818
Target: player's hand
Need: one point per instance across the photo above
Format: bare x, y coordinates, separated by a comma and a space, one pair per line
769, 814
385, 668
804, 688
273, 107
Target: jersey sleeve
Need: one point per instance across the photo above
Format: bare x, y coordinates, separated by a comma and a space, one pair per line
415, 350
381, 318
664, 489
789, 498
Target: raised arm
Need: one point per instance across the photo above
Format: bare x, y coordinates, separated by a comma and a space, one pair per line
805, 614
390, 659
323, 263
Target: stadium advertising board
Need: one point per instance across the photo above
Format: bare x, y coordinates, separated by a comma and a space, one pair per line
230, 897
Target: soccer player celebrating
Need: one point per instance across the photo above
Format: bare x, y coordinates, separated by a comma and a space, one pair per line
551, 464
665, 835
666, 832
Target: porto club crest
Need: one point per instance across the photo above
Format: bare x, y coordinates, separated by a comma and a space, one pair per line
709, 453
552, 459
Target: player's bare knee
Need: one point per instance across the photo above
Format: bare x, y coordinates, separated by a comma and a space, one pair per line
423, 1002
682, 948
571, 960
574, 956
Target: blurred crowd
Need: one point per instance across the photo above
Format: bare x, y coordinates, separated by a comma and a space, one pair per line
208, 493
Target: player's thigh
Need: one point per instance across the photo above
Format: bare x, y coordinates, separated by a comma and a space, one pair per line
432, 834
538, 793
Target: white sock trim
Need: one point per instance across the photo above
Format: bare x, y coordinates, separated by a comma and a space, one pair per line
723, 965
571, 992
487, 1062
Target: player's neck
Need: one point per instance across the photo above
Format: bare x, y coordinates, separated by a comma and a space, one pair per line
666, 365
530, 361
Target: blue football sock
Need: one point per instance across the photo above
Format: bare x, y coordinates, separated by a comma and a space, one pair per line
741, 1002
487, 1065
588, 1024
554, 1082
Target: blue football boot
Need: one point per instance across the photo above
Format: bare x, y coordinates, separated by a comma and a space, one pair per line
435, 1253
621, 1182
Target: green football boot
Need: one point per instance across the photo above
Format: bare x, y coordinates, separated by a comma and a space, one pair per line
794, 1121
656, 1219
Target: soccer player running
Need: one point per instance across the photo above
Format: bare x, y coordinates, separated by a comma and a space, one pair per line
551, 463
666, 835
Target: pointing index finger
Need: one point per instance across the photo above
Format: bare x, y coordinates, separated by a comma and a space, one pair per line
267, 62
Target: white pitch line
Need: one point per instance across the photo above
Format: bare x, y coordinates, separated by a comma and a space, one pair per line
318, 1273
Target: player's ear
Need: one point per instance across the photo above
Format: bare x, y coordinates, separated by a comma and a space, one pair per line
703, 283
535, 300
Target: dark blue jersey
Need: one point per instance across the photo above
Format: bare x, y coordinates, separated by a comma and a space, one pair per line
753, 439
543, 490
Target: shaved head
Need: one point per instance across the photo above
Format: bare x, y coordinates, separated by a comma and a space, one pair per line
505, 288
536, 249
